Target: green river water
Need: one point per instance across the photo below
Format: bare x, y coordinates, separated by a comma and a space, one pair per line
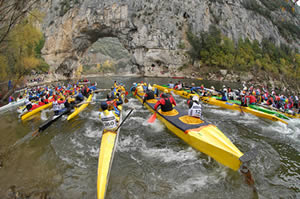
150, 161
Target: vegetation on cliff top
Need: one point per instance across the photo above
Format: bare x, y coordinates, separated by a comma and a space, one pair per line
214, 49
20, 52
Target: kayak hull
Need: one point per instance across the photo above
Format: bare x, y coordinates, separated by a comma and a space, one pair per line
204, 137
30, 113
81, 108
106, 154
108, 145
12, 104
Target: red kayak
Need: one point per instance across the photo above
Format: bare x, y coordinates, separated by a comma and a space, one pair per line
177, 77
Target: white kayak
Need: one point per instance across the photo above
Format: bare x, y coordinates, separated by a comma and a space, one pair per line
12, 104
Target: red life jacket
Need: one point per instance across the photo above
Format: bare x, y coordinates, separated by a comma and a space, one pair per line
166, 104
270, 101
252, 99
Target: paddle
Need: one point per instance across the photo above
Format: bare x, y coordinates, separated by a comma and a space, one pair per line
152, 118
124, 119
49, 122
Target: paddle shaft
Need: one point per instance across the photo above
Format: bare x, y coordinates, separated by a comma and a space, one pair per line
124, 120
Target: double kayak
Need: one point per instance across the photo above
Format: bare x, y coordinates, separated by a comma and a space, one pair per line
202, 136
258, 108
81, 108
223, 104
34, 111
108, 145
290, 115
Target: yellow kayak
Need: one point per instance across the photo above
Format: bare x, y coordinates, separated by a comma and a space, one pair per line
224, 104
106, 155
81, 108
30, 113
203, 136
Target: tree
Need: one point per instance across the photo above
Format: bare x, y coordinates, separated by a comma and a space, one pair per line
20, 55
12, 12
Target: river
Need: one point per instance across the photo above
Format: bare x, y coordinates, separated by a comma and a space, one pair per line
150, 161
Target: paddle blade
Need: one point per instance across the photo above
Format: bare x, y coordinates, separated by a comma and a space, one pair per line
126, 93
126, 100
152, 118
35, 133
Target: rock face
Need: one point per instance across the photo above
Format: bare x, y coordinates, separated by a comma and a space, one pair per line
152, 31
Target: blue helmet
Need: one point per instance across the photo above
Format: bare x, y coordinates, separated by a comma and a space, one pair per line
104, 106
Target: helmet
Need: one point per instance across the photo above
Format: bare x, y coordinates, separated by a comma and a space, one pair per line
163, 95
253, 93
224, 86
149, 87
104, 106
195, 98
212, 87
166, 91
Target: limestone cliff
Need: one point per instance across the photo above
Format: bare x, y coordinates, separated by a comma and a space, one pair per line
151, 30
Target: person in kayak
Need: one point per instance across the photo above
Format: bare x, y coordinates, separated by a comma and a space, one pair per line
166, 103
148, 95
134, 85
250, 99
10, 99
195, 108
109, 118
79, 98
56, 105
28, 105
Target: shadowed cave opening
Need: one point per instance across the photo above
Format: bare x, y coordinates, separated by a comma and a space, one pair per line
107, 55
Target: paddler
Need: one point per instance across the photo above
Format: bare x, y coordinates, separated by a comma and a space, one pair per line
10, 99
166, 102
56, 105
139, 89
195, 108
109, 119
149, 94
28, 105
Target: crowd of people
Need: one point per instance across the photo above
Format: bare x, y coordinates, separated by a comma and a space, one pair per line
247, 96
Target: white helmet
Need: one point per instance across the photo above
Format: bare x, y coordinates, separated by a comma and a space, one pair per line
195, 98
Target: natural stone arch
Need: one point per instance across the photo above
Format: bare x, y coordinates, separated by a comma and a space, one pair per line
70, 36
78, 30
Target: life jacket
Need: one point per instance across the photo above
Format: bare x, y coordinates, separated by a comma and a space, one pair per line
195, 110
34, 106
27, 102
41, 103
56, 106
167, 106
149, 95
108, 120
171, 85
179, 86
252, 99
270, 101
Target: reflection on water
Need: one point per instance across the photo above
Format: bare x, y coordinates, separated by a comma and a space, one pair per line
150, 161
